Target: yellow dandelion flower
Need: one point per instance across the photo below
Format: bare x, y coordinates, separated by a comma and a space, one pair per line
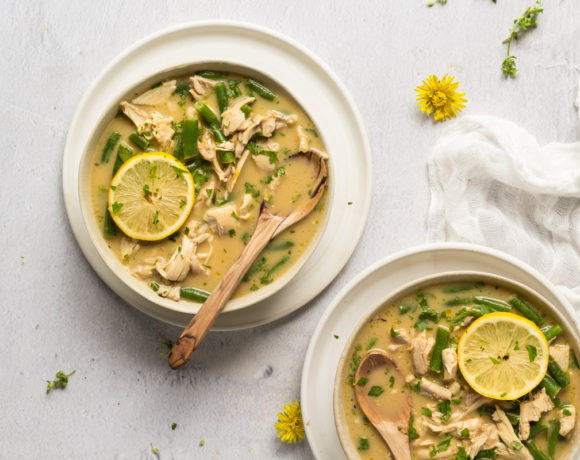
290, 425
440, 97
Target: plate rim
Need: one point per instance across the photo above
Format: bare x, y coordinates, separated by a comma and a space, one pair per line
423, 248
70, 181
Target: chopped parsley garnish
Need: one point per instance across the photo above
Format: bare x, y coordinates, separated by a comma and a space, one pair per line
254, 287
404, 309
336, 336
61, 381
117, 207
566, 412
181, 203
252, 190
156, 218
412, 431
173, 426
444, 444
376, 391
154, 286
312, 131
494, 361
245, 237
426, 411
235, 216
371, 343
517, 445
391, 381
517, 347
362, 381
146, 190
394, 333
465, 432
363, 444
232, 232
445, 409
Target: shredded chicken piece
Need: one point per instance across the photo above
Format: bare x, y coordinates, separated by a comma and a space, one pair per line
205, 196
222, 219
263, 163
247, 202
200, 87
138, 116
422, 346
239, 165
401, 336
532, 410
208, 150
481, 434
454, 388
567, 415
158, 95
264, 124
561, 354
181, 262
435, 390
150, 124
470, 402
303, 144
449, 356
172, 292
233, 118
162, 130
508, 436
129, 246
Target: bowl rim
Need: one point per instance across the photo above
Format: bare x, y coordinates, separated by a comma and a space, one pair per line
410, 287
283, 303
88, 211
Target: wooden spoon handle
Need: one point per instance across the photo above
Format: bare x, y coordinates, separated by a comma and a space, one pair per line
397, 441
198, 327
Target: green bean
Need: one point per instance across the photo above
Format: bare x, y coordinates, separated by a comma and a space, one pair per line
190, 135
109, 227
513, 418
441, 340
178, 147
211, 74
222, 97
487, 454
492, 304
227, 156
552, 331
282, 246
124, 152
535, 451
561, 377
459, 301
211, 120
191, 293
461, 288
537, 428
522, 306
110, 146
261, 90
552, 388
138, 140
553, 437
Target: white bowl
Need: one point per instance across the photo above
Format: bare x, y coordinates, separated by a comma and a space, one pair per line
367, 314
177, 51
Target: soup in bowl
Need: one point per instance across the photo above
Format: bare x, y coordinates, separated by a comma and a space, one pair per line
177, 177
490, 365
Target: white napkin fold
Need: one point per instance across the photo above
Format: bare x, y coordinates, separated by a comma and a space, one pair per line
493, 184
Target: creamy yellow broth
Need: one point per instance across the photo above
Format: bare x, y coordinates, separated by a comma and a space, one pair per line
291, 177
378, 333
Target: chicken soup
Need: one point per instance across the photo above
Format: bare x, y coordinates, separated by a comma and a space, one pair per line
218, 144
449, 339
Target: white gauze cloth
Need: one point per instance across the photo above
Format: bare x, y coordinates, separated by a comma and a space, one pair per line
493, 184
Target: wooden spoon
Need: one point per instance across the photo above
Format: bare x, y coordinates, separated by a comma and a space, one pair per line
390, 421
270, 224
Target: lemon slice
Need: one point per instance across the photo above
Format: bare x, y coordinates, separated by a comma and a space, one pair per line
503, 356
151, 196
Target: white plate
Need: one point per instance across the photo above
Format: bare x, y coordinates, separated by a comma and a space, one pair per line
364, 293
315, 88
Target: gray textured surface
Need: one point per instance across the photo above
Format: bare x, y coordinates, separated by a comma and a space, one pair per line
57, 314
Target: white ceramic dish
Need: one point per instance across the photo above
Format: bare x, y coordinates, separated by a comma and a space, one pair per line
307, 79
342, 370
368, 289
